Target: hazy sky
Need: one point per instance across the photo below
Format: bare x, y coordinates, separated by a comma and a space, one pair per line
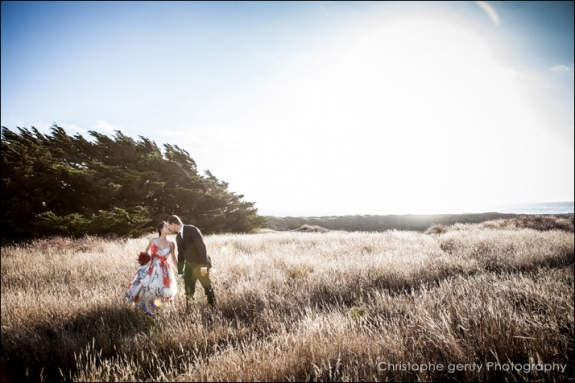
314, 108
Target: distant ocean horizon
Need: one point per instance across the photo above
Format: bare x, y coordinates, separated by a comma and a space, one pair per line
566, 207
536, 208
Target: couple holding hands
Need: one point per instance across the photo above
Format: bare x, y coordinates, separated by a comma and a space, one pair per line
155, 283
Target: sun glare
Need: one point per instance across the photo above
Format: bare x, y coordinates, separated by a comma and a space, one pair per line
424, 95
422, 73
412, 112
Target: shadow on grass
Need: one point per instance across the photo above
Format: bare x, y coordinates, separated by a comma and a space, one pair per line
394, 285
48, 351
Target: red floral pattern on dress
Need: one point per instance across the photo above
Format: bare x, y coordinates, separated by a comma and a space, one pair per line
154, 279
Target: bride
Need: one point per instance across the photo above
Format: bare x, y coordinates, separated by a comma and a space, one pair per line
154, 281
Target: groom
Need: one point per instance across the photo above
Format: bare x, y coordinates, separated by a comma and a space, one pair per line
194, 263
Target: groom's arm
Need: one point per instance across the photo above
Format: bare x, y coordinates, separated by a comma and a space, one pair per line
181, 259
200, 245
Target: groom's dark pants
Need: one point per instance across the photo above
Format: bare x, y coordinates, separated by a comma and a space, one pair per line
192, 273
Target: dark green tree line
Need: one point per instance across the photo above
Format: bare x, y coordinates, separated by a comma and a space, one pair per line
57, 184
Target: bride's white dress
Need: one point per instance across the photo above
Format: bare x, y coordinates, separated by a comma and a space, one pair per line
153, 280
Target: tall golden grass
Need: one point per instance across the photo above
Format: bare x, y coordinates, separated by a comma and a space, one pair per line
293, 306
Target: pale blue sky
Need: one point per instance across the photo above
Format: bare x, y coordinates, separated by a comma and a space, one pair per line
314, 108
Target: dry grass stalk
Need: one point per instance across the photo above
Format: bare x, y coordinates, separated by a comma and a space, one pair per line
298, 306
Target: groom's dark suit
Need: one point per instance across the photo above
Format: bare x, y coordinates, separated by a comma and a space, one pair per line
192, 248
192, 256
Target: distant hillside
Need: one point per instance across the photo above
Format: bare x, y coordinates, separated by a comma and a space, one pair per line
379, 223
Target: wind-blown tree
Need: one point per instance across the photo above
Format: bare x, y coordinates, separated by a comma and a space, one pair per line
56, 184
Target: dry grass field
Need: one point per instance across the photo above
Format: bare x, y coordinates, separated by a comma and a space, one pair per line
474, 302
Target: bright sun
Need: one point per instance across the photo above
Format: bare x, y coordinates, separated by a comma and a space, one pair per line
425, 104
412, 113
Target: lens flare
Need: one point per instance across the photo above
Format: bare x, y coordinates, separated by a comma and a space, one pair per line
491, 12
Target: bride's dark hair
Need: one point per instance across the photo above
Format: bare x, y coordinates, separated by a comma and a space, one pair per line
159, 227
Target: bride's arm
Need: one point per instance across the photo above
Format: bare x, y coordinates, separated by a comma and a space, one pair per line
150, 243
173, 254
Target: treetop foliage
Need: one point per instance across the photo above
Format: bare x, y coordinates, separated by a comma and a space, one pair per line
57, 184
